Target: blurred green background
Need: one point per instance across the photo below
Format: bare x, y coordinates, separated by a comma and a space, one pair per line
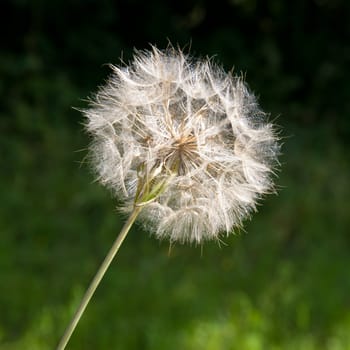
284, 283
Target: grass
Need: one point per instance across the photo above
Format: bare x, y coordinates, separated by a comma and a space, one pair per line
281, 284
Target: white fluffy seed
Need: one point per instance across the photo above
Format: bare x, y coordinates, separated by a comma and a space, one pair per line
187, 118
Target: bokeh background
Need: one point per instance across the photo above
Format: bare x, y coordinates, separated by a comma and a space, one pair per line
283, 283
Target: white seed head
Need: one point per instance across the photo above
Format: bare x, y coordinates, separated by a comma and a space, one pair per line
190, 133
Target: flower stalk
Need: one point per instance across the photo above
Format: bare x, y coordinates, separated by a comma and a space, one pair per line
97, 278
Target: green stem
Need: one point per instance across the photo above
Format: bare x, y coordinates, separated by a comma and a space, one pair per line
98, 277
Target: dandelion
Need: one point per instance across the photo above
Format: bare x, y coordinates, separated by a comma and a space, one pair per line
183, 144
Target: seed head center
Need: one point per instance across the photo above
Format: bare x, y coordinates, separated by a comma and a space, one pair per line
186, 144
183, 154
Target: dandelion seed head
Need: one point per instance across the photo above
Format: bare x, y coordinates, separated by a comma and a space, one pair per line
169, 116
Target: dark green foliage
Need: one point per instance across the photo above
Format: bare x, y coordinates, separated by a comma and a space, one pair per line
284, 285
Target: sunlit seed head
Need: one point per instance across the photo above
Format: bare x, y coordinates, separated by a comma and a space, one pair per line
191, 133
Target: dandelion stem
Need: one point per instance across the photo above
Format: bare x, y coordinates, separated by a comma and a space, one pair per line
97, 278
